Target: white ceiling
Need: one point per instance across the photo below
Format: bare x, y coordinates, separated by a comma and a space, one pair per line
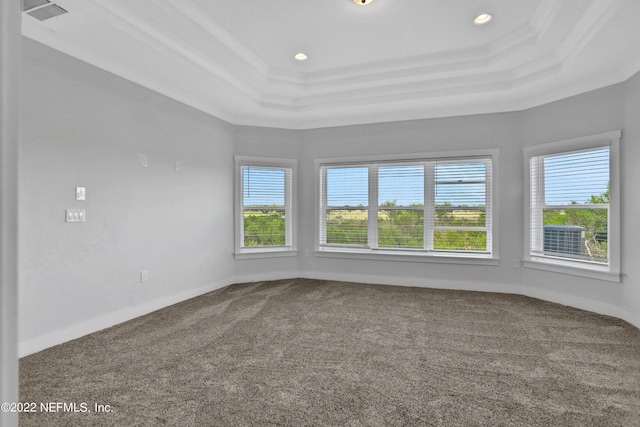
390, 60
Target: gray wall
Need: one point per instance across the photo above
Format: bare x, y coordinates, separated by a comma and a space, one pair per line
631, 199
10, 65
84, 127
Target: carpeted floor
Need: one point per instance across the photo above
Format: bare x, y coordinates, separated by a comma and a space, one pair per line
317, 353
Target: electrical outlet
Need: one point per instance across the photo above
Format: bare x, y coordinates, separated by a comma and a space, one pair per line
144, 162
178, 166
517, 263
144, 276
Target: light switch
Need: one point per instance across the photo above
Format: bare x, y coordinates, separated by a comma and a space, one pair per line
75, 215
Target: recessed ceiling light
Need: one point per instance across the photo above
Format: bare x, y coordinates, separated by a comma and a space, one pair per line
483, 19
362, 2
300, 56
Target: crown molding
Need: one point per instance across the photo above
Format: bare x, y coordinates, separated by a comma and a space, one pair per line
202, 64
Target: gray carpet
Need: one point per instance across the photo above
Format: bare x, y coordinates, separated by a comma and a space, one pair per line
318, 353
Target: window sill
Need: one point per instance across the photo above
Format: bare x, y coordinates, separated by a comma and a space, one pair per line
564, 268
265, 253
431, 257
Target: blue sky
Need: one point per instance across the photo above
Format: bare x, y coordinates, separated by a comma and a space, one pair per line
405, 185
570, 177
263, 186
576, 177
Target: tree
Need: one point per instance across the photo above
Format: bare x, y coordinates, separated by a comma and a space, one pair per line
401, 228
264, 228
602, 198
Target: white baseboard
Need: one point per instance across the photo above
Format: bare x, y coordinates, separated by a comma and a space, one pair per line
96, 324
278, 275
418, 282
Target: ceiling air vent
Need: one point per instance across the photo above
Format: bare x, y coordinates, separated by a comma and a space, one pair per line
30, 4
47, 12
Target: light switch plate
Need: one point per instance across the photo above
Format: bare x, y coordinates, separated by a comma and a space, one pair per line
76, 215
81, 193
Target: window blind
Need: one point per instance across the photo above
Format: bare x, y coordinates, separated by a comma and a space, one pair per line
266, 206
461, 193
401, 206
570, 205
345, 205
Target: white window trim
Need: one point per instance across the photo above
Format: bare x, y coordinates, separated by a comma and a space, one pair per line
492, 258
610, 272
291, 208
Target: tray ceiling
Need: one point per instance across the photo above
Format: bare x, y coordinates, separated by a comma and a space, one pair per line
390, 60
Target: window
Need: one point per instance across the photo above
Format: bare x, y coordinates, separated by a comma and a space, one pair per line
573, 206
265, 207
461, 221
421, 207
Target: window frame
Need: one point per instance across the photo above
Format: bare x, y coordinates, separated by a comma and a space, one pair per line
290, 248
611, 270
491, 257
